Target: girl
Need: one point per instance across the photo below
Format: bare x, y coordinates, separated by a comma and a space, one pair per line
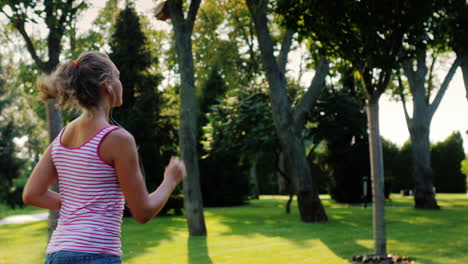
96, 165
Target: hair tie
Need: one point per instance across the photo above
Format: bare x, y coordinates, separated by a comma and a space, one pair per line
75, 63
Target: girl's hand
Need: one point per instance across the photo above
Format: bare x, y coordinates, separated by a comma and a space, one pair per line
175, 170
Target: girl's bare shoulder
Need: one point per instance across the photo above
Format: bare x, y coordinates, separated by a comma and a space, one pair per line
118, 143
120, 135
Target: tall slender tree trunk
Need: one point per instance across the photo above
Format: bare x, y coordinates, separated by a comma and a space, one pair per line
58, 16
54, 122
377, 176
188, 138
188, 106
54, 125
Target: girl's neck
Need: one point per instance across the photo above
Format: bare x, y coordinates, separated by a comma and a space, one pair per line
100, 114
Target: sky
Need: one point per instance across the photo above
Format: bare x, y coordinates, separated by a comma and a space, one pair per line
449, 117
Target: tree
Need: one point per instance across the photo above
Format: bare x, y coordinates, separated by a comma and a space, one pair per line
240, 132
340, 123
399, 166
219, 69
223, 28
447, 157
129, 53
288, 121
420, 121
424, 39
141, 111
10, 164
464, 170
370, 36
183, 28
57, 16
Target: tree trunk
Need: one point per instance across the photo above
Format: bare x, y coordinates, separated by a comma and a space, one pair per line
377, 176
419, 127
254, 180
291, 142
282, 184
310, 206
54, 125
282, 181
57, 17
187, 134
424, 197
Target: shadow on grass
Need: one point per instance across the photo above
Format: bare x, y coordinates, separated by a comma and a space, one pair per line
268, 218
138, 239
413, 233
198, 250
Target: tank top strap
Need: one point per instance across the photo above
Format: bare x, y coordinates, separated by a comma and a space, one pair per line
99, 137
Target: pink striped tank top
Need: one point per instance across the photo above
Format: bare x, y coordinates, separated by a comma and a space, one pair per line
92, 201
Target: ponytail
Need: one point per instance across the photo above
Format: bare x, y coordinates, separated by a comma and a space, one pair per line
77, 83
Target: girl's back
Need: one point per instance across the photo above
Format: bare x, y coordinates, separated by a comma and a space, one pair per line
92, 201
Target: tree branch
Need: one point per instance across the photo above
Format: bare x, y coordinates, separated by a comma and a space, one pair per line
301, 68
421, 63
257, 9
56, 25
18, 19
366, 79
403, 99
410, 74
5, 14
443, 87
175, 12
243, 31
249, 41
69, 11
192, 14
19, 24
285, 48
430, 85
50, 19
384, 79
307, 101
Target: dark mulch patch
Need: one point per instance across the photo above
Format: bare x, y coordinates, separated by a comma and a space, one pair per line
388, 259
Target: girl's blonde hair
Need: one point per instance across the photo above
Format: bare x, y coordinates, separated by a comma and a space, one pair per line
78, 83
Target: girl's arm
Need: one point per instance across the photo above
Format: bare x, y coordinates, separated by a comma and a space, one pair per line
36, 192
143, 205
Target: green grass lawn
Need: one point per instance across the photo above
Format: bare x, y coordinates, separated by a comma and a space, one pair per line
262, 233
7, 211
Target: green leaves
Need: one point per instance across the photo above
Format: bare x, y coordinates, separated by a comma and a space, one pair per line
366, 33
241, 123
